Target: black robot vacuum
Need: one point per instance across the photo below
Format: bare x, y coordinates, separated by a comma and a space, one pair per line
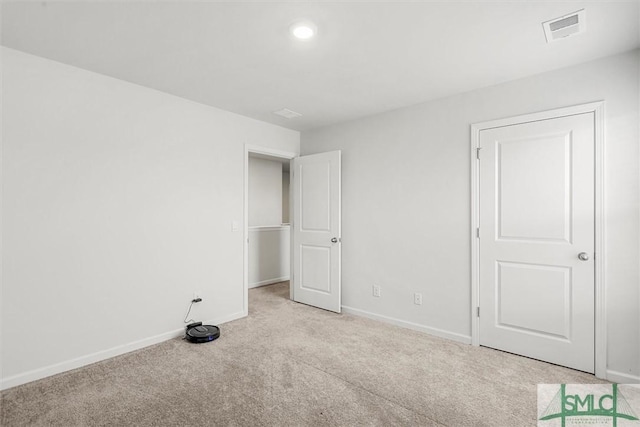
198, 333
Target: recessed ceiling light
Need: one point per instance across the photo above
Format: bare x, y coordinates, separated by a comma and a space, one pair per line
303, 30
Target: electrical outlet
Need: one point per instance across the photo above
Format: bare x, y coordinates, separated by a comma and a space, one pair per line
376, 290
417, 299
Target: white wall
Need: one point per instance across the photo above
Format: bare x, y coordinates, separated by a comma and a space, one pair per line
406, 200
118, 203
265, 192
269, 255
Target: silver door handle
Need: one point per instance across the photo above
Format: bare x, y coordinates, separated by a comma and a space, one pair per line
334, 240
583, 256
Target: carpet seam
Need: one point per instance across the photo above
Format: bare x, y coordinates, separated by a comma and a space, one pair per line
369, 391
300, 361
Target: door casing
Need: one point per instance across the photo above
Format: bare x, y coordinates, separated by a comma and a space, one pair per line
600, 258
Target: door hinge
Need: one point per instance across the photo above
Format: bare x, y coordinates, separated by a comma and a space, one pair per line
478, 232
478, 152
477, 311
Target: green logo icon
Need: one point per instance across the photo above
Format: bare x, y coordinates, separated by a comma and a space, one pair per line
613, 405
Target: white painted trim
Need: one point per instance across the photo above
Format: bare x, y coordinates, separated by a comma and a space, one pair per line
99, 356
465, 339
268, 282
600, 236
475, 243
248, 148
542, 115
600, 239
257, 149
269, 227
622, 378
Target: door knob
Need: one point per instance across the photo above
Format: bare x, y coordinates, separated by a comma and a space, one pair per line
334, 240
583, 256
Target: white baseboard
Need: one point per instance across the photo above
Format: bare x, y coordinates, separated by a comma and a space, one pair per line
613, 376
268, 282
409, 325
88, 359
622, 378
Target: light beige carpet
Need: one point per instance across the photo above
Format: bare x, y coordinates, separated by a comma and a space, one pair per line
288, 364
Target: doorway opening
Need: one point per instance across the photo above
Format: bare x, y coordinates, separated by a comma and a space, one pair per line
314, 230
269, 231
267, 234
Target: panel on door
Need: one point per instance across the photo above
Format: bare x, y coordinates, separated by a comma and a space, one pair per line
316, 230
537, 240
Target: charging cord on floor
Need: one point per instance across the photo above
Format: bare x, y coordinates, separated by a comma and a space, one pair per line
193, 301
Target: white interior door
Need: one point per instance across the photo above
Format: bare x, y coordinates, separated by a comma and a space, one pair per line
316, 230
537, 240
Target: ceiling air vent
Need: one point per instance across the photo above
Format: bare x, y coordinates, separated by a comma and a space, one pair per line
565, 26
288, 114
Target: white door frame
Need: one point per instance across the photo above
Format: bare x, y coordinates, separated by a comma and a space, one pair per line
256, 149
599, 259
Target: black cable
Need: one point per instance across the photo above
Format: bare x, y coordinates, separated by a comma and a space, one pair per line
187, 315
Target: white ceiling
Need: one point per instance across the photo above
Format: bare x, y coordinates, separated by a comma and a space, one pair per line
369, 57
